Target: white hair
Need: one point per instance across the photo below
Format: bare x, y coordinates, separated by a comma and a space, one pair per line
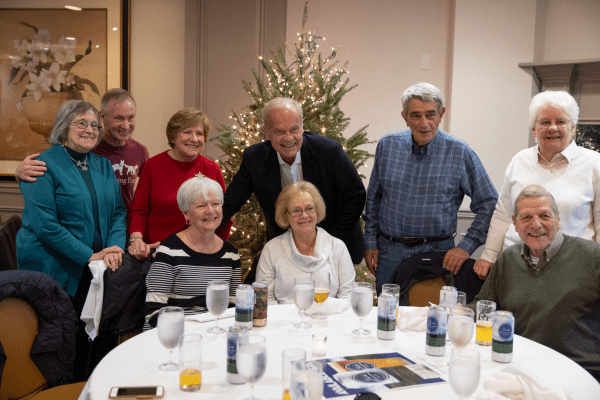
425, 92
280, 102
559, 99
195, 188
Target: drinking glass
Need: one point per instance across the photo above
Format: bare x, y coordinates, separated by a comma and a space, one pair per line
304, 296
252, 360
307, 381
289, 356
217, 300
464, 372
170, 327
361, 300
393, 289
322, 284
190, 362
461, 298
448, 297
483, 328
460, 326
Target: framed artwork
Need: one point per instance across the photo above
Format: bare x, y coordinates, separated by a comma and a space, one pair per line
46, 57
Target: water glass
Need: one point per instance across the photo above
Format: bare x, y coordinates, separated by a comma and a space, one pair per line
304, 296
289, 357
461, 299
190, 362
217, 300
252, 360
448, 297
307, 381
170, 327
484, 325
464, 372
361, 300
461, 322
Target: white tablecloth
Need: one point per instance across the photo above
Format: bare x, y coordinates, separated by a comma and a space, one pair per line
135, 362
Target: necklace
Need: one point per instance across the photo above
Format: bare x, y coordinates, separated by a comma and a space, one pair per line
81, 164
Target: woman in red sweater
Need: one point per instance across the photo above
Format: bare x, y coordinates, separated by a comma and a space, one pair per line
154, 212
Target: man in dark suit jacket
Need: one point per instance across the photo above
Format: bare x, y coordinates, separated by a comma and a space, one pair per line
289, 155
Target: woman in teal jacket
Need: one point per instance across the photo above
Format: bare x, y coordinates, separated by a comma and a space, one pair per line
74, 213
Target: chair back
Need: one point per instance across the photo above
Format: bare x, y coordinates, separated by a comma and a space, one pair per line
424, 292
8, 240
18, 328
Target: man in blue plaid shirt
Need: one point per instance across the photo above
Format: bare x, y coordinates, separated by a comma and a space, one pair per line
417, 185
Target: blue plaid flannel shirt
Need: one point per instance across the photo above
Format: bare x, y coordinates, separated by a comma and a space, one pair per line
417, 192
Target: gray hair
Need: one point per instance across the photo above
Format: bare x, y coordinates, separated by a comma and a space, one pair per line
535, 191
195, 188
559, 99
425, 92
117, 94
280, 102
68, 111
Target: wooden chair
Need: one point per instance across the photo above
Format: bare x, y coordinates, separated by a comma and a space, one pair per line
21, 379
424, 292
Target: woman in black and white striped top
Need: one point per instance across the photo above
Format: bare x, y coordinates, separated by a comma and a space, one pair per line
186, 261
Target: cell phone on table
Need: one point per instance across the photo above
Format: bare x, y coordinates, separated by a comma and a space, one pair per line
137, 392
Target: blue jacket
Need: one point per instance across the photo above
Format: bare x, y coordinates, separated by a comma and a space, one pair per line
58, 225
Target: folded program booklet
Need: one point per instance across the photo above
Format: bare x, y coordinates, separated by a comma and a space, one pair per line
343, 376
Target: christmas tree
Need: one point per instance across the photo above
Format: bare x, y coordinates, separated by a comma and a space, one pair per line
318, 84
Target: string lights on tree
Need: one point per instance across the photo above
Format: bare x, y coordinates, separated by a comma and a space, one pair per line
318, 84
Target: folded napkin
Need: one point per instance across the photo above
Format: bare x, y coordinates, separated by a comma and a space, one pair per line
207, 317
412, 318
514, 384
92, 309
330, 306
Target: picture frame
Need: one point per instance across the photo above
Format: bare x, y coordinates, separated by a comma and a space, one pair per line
105, 64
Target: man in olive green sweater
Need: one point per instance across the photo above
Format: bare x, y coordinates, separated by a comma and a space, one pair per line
551, 283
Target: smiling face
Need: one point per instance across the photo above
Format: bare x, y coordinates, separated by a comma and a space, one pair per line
120, 121
188, 144
284, 130
553, 131
205, 215
304, 223
536, 223
82, 140
423, 120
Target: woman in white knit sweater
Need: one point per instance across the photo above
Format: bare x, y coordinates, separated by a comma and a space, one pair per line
304, 249
570, 172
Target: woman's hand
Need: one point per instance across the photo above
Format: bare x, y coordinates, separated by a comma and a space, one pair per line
112, 257
140, 250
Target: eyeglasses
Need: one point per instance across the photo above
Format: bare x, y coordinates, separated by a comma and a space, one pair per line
546, 123
83, 124
296, 212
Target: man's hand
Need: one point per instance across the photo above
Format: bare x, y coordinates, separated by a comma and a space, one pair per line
454, 259
29, 168
482, 268
371, 257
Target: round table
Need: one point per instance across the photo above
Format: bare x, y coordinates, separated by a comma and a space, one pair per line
135, 362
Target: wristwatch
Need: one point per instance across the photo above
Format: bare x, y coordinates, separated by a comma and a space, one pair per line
131, 239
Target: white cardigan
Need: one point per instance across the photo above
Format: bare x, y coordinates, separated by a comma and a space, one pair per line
575, 189
281, 262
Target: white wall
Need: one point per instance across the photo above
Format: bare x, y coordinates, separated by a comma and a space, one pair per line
490, 93
157, 67
572, 30
382, 42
